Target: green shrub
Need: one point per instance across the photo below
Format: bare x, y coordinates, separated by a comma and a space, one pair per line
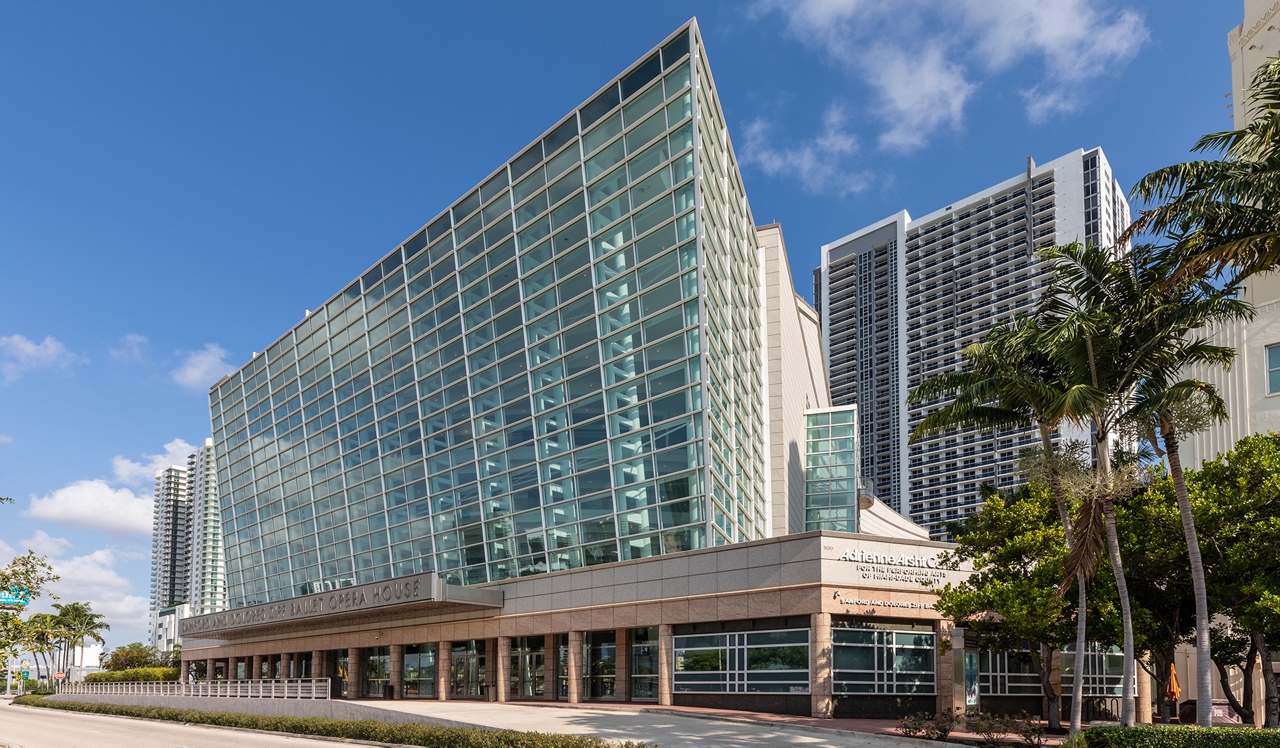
365, 729
136, 674
1181, 737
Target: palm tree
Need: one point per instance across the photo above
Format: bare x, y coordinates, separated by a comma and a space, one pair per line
1008, 381
1226, 210
81, 623
1125, 333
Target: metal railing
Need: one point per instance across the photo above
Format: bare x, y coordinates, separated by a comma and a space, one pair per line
290, 688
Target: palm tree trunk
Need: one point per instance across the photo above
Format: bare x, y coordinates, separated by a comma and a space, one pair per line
1204, 658
1117, 569
1064, 514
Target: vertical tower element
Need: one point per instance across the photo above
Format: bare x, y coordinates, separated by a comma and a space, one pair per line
208, 583
563, 369
170, 539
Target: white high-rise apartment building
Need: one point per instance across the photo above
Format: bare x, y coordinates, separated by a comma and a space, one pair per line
208, 587
171, 539
902, 297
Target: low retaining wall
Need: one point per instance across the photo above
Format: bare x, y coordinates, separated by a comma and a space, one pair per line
326, 709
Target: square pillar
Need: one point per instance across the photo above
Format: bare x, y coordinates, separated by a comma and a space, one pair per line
396, 671
257, 668
950, 668
622, 665
318, 669
210, 669
490, 671
821, 685
186, 671
502, 668
355, 676
551, 667
575, 667
666, 664
444, 662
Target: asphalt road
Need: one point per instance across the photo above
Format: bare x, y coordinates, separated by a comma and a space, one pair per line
26, 727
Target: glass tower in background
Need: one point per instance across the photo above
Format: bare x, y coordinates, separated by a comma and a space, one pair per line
564, 368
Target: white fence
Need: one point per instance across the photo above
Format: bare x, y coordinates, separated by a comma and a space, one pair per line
291, 688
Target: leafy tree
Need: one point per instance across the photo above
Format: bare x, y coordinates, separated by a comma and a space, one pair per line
134, 655
1237, 501
1016, 545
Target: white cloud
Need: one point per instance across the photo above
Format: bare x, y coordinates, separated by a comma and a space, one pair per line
95, 505
6, 439
18, 355
922, 58
137, 473
130, 348
202, 368
45, 545
817, 163
6, 552
919, 91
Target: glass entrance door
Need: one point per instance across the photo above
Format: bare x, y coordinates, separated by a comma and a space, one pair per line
528, 668
467, 671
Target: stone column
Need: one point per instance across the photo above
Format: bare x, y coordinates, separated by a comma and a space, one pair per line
950, 668
551, 667
622, 665
186, 671
1143, 698
444, 657
318, 669
210, 668
234, 665
503, 668
490, 670
257, 668
396, 670
354, 675
575, 667
821, 702
666, 664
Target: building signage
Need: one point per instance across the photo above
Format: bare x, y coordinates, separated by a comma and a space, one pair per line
14, 597
895, 565
417, 588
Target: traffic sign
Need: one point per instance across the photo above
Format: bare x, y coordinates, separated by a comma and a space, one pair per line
26, 675
59, 675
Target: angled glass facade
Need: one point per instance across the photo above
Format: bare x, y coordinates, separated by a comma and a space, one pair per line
562, 369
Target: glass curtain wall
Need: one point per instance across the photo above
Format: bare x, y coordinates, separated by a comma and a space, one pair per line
338, 670
467, 670
1103, 670
644, 664
522, 386
1008, 674
419, 672
874, 660
831, 470
756, 662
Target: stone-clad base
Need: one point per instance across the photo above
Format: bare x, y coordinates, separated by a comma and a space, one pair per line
874, 706
327, 709
779, 703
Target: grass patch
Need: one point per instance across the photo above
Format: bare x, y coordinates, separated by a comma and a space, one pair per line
1181, 737
364, 729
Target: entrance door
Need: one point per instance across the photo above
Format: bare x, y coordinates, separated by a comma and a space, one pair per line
467, 671
527, 675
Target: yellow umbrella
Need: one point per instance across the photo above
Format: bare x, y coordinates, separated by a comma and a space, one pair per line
1173, 690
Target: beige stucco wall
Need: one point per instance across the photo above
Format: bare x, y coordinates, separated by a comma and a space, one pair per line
1249, 45
797, 380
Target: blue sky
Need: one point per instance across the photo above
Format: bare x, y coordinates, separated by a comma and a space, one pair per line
178, 182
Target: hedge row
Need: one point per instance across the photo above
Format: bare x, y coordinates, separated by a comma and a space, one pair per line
365, 729
1181, 737
136, 674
